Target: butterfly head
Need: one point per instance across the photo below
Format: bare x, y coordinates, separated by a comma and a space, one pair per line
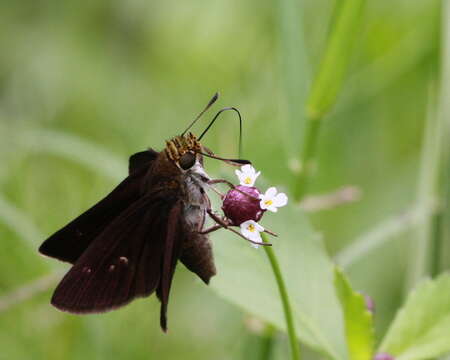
183, 150
186, 151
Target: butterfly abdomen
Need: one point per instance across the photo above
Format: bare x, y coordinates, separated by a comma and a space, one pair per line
197, 255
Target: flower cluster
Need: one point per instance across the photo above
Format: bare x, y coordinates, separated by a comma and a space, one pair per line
244, 205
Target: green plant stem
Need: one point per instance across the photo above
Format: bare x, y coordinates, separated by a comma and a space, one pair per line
295, 347
428, 250
436, 245
328, 83
267, 342
422, 241
387, 230
441, 225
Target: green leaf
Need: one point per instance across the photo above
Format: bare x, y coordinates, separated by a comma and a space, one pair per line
358, 320
245, 278
334, 62
421, 328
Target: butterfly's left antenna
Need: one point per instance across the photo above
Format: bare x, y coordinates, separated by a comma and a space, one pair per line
212, 101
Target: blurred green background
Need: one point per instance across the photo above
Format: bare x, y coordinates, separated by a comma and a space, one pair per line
85, 84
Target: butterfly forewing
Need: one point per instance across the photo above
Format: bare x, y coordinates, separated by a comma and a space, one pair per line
72, 240
140, 160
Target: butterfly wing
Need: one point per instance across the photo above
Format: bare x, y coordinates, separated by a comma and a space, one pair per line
127, 260
172, 249
72, 240
141, 160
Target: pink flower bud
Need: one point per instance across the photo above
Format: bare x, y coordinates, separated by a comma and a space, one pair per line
383, 356
370, 304
239, 207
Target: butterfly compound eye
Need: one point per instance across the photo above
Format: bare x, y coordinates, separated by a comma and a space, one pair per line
187, 161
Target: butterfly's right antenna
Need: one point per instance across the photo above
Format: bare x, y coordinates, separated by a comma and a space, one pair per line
212, 101
215, 118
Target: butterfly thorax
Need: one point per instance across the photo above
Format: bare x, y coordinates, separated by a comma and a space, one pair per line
169, 175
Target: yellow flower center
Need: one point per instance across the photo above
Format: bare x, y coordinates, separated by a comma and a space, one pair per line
251, 228
248, 180
268, 202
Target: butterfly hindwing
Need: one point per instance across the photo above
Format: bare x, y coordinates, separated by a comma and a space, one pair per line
172, 249
124, 262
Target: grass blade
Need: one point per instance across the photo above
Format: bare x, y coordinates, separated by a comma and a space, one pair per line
328, 83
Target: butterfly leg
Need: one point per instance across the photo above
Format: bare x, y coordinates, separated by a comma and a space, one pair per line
222, 223
210, 229
221, 181
222, 196
270, 232
232, 186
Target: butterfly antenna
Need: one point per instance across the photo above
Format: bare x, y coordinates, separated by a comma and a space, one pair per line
240, 125
212, 101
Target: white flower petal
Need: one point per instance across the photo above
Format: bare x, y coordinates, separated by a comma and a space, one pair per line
262, 203
259, 227
272, 208
271, 192
247, 169
266, 202
245, 227
247, 181
245, 232
280, 200
255, 236
251, 230
247, 175
245, 224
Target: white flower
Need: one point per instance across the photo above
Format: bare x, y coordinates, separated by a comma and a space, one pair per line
247, 175
271, 200
251, 230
